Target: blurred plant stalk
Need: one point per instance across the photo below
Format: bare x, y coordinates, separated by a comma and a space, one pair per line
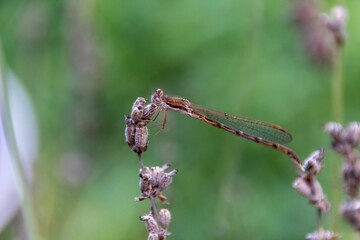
337, 22
337, 96
23, 188
324, 35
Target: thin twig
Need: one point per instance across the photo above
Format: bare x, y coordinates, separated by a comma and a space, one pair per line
154, 210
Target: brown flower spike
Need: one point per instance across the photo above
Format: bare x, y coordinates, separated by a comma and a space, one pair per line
153, 181
344, 141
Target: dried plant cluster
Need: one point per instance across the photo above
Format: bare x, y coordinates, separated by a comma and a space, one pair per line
344, 141
323, 34
307, 185
153, 180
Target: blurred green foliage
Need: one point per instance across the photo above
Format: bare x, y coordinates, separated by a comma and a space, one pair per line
85, 62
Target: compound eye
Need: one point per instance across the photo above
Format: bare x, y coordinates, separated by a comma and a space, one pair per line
157, 97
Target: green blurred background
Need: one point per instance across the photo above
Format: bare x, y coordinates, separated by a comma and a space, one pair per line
85, 62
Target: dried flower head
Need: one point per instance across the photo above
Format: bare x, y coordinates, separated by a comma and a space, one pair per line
333, 128
149, 111
351, 176
351, 213
138, 109
312, 190
153, 236
336, 22
305, 11
344, 140
150, 223
322, 235
314, 163
152, 227
153, 181
323, 34
352, 132
136, 131
307, 185
136, 134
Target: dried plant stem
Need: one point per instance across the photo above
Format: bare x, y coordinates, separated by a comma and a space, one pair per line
337, 96
154, 211
23, 187
141, 162
319, 219
338, 89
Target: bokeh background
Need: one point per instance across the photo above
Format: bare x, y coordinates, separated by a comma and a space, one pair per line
85, 62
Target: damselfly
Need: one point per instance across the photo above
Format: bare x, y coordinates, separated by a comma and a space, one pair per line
257, 131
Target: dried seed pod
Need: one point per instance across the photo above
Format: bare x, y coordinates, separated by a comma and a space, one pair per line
312, 190
130, 132
164, 218
150, 223
136, 134
141, 137
138, 109
351, 212
145, 180
302, 187
149, 111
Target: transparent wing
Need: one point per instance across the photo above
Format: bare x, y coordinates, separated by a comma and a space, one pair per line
266, 131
